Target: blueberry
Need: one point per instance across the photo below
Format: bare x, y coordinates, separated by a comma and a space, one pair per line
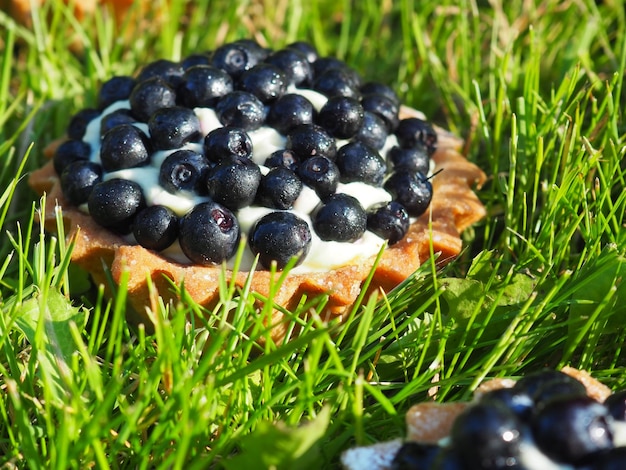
209, 233
279, 189
322, 64
241, 109
388, 220
203, 86
283, 158
170, 72
265, 81
78, 179
311, 140
78, 124
337, 82
488, 435
155, 227
409, 159
294, 64
616, 404
116, 118
341, 218
412, 190
278, 237
413, 132
184, 170
150, 95
558, 388
612, 459
373, 131
518, 401
234, 182
377, 88
173, 127
124, 146
341, 116
530, 383
113, 203
572, 430
226, 142
194, 60
69, 152
449, 459
117, 88
383, 107
237, 57
415, 456
321, 174
309, 51
360, 162
289, 111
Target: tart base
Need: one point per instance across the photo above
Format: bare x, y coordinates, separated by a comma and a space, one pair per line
454, 207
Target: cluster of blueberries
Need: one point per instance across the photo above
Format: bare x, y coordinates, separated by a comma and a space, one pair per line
248, 87
546, 421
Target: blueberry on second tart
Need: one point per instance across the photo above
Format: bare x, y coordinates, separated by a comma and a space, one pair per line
388, 220
234, 182
279, 189
285, 158
321, 174
116, 118
311, 140
69, 152
150, 95
78, 179
290, 111
169, 71
340, 218
265, 81
227, 142
373, 131
209, 233
409, 159
278, 237
124, 146
114, 203
79, 122
241, 109
616, 404
184, 170
173, 127
115, 89
415, 456
360, 162
155, 227
237, 57
341, 116
413, 190
383, 107
412, 132
203, 86
294, 64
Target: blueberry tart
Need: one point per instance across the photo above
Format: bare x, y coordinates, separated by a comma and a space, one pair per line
291, 156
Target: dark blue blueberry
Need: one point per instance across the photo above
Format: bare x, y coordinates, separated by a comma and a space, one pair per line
114, 203
612, 459
69, 152
415, 456
616, 404
117, 88
321, 174
237, 57
412, 190
227, 142
530, 383
184, 170
78, 124
278, 237
383, 107
340, 218
488, 436
195, 59
294, 64
234, 182
518, 401
556, 389
283, 158
241, 109
289, 111
124, 146
322, 64
78, 180
209, 233
413, 132
377, 88
279, 189
388, 220
116, 118
373, 131
170, 72
150, 95
203, 86
311, 140
171, 128
409, 159
309, 51
572, 430
337, 82
360, 162
449, 459
265, 81
341, 116
155, 227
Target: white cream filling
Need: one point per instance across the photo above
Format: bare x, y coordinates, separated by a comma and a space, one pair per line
322, 256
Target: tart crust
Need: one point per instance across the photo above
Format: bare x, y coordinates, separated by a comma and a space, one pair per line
454, 207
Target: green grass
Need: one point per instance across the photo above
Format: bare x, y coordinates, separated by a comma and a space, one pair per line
535, 88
